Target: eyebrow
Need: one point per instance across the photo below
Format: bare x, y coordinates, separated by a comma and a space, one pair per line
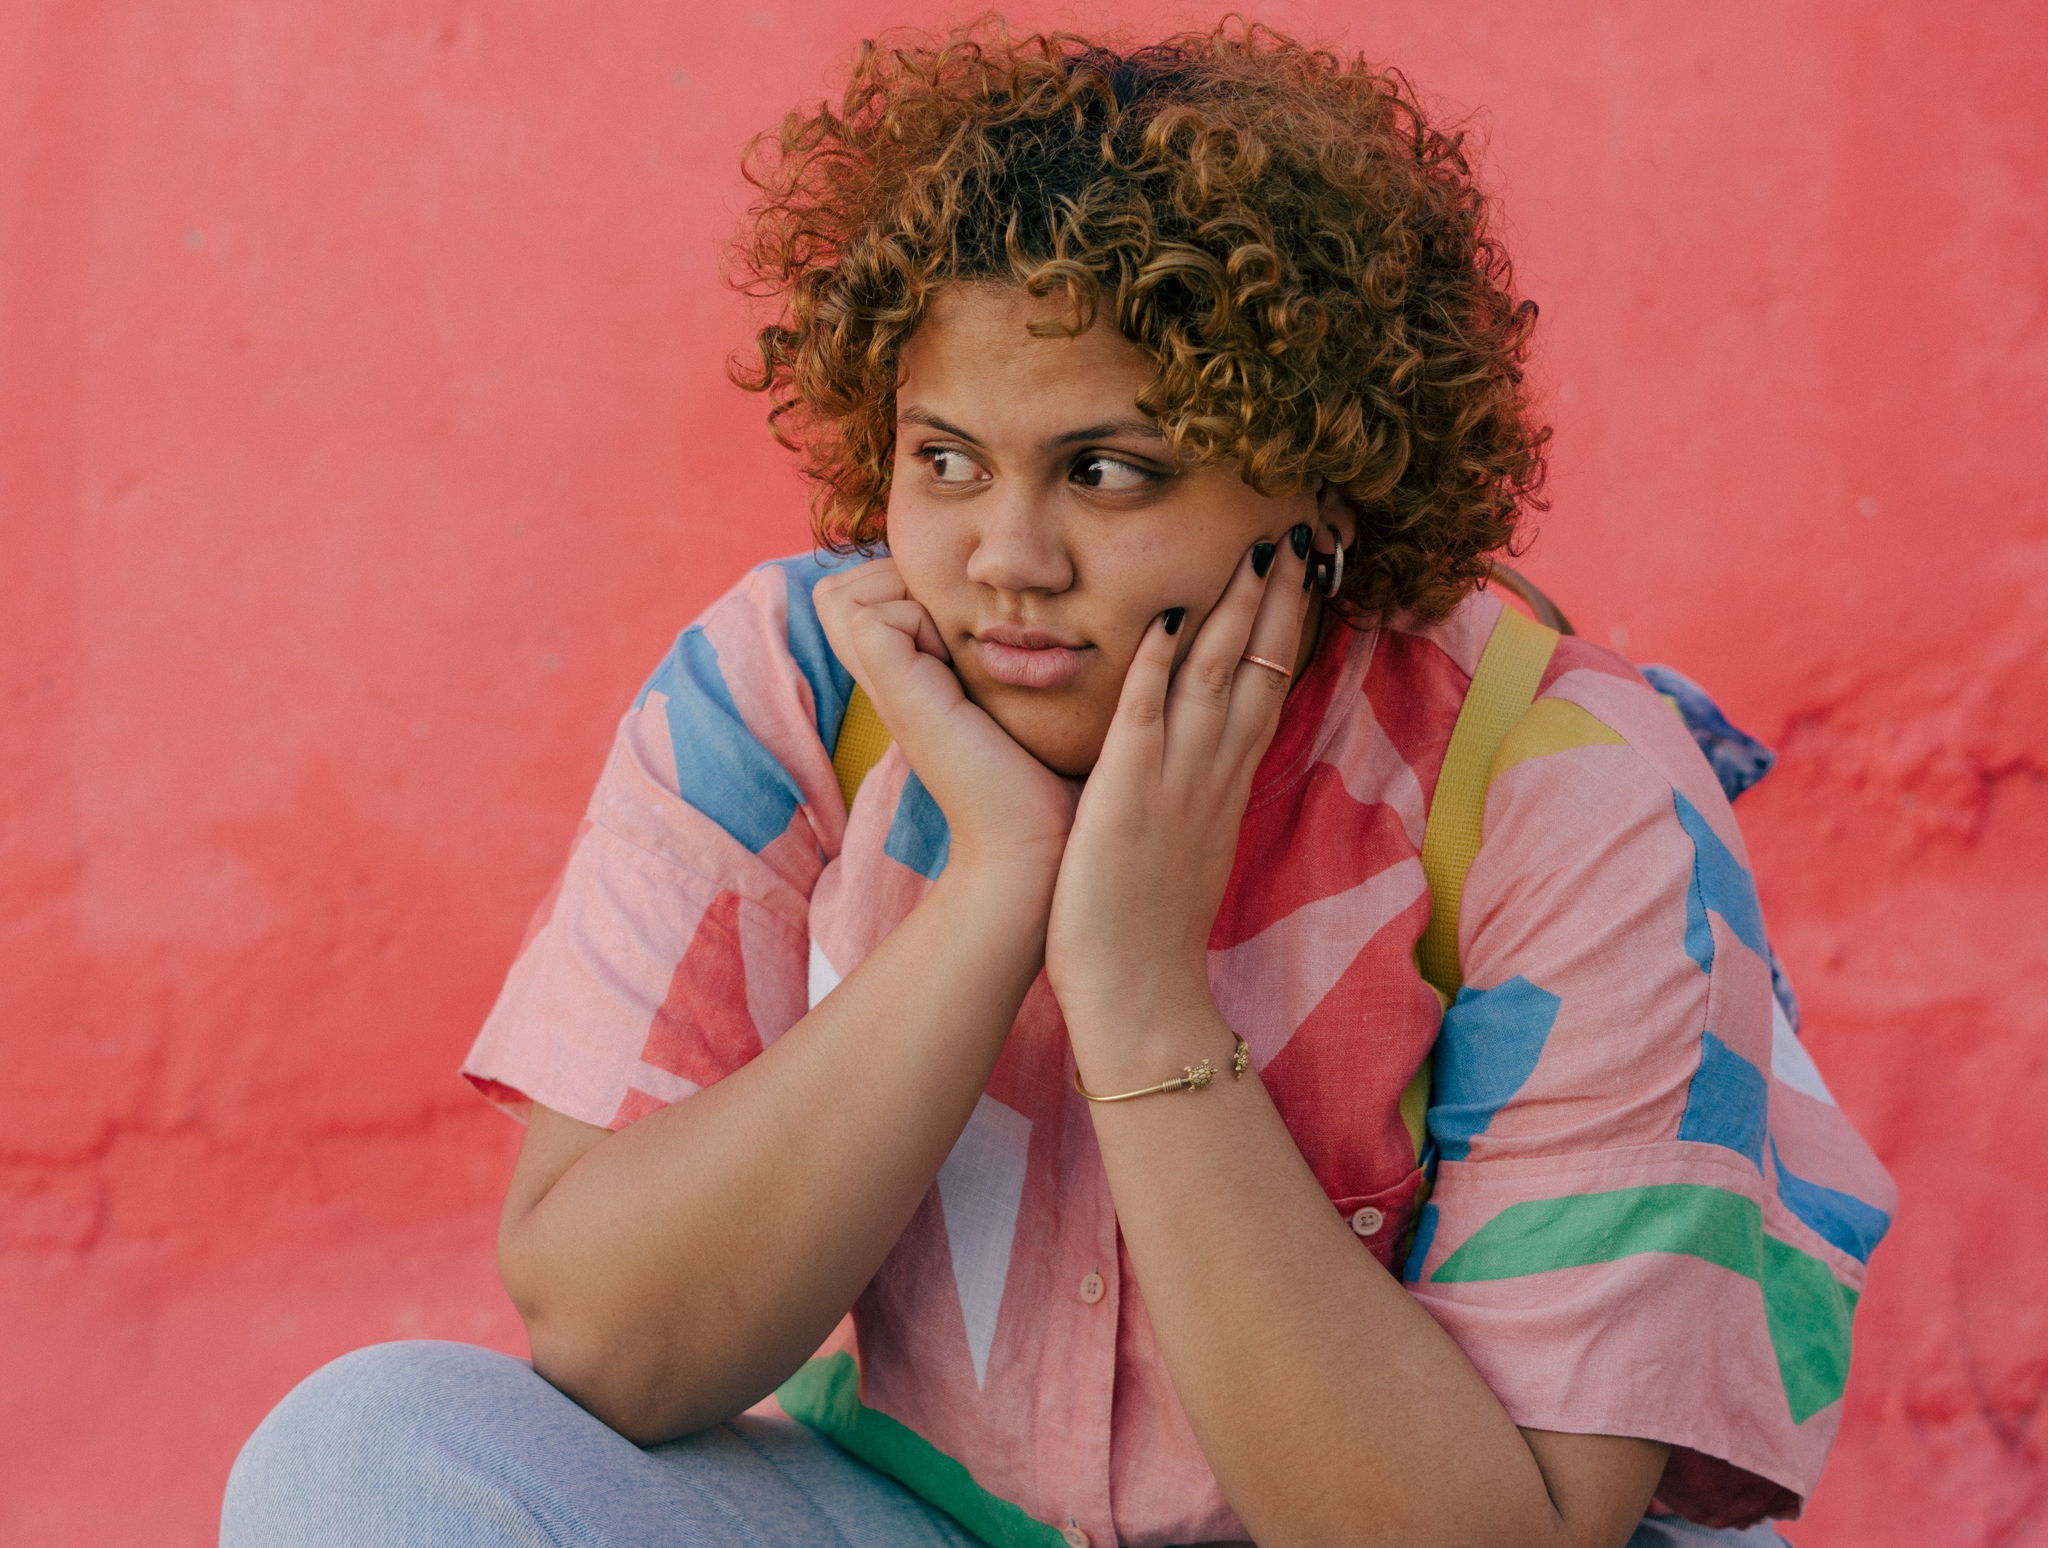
1109, 429
1104, 431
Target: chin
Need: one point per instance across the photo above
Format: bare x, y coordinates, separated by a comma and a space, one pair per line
1064, 758
1063, 737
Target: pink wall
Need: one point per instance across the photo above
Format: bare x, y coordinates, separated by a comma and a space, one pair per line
363, 439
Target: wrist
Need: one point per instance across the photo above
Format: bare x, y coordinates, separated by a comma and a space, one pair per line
1131, 998
1032, 864
1147, 1037
1013, 887
1016, 862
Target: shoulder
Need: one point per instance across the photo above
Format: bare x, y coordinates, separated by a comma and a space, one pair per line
759, 644
1599, 806
1601, 746
1598, 731
1587, 696
737, 720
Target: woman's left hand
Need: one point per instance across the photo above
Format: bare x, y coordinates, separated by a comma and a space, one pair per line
1155, 834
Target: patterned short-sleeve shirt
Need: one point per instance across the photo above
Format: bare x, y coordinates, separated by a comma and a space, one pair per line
1648, 1217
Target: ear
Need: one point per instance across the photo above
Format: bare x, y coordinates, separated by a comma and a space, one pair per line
1335, 514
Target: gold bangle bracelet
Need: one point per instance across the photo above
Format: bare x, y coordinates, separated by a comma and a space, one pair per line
1192, 1077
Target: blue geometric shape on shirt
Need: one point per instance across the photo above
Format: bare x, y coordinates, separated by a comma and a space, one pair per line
1489, 1044
918, 835
831, 684
1839, 1219
1721, 884
981, 1193
1425, 1237
1727, 1102
721, 769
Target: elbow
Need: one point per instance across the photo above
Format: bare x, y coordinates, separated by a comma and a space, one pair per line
650, 1375
642, 1422
619, 1387
612, 1378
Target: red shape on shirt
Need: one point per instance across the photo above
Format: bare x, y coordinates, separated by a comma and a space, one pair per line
1574, 654
1415, 689
1338, 1082
1292, 853
702, 1030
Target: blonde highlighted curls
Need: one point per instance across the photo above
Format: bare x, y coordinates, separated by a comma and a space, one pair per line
1304, 256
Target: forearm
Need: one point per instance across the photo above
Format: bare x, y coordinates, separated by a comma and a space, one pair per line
679, 1269
1323, 1395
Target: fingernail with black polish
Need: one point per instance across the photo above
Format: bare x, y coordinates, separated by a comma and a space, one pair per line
1262, 559
1172, 619
1298, 538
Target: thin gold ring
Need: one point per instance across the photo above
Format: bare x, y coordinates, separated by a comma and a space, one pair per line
1262, 661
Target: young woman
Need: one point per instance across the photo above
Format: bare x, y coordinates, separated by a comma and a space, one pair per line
1184, 388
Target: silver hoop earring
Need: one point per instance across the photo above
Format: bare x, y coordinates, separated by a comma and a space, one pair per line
1336, 581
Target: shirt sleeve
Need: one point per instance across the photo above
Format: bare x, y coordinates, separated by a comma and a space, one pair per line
1649, 1219
675, 945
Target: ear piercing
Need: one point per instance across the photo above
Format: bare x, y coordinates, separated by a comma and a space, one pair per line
1325, 571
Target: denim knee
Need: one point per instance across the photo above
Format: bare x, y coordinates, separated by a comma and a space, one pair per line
386, 1391
400, 1414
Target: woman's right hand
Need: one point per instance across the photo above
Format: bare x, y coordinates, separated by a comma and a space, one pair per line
1002, 805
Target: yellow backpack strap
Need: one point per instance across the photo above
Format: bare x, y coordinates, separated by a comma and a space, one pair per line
1502, 689
862, 741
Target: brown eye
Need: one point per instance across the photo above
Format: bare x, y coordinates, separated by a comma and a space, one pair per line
950, 467
1112, 475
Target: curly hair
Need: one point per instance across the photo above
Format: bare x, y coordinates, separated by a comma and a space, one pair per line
1303, 255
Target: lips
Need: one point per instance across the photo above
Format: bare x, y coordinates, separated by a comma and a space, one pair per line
1029, 658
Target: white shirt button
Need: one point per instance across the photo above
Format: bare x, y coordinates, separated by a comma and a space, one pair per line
1366, 1220
1075, 1536
1091, 1292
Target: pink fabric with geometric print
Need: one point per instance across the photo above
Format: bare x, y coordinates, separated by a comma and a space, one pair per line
1612, 1237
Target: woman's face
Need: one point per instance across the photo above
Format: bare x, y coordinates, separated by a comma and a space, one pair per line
1037, 514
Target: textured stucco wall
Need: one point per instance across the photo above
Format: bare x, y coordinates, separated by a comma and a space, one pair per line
363, 439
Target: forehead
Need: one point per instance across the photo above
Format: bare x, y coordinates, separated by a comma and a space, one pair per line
974, 351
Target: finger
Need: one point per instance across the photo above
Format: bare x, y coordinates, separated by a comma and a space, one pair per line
913, 620
907, 683
873, 581
1137, 731
1202, 687
839, 596
889, 631
1260, 689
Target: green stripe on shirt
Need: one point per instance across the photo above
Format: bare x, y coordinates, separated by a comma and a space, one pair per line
825, 1395
1808, 1310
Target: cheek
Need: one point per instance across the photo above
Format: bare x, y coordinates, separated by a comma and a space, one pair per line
1167, 566
922, 553
1192, 576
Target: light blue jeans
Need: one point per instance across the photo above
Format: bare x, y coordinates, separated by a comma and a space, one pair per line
432, 1445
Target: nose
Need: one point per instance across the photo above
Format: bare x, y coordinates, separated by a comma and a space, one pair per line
1019, 545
